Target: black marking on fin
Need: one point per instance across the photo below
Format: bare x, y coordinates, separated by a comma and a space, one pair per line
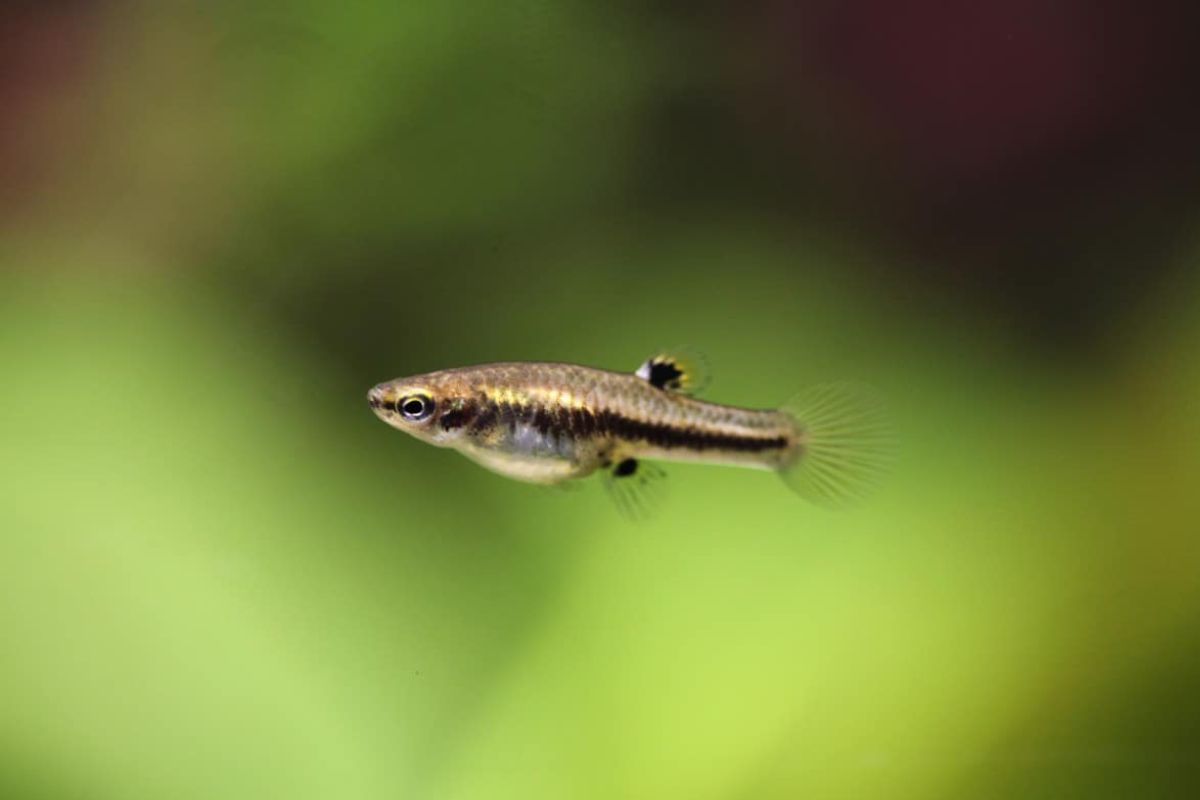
664, 375
626, 468
681, 371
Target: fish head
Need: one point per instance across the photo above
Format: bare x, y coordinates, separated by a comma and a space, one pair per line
430, 407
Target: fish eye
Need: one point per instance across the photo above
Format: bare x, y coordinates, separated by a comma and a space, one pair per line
416, 407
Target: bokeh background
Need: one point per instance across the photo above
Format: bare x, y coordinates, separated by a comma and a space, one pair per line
220, 223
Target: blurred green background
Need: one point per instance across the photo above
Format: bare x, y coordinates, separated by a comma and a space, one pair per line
220, 223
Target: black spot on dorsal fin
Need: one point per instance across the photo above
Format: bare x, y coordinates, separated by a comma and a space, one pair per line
675, 372
665, 375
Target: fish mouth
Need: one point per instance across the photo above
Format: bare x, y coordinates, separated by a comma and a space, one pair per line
378, 399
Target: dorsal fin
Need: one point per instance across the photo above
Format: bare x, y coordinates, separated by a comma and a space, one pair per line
675, 371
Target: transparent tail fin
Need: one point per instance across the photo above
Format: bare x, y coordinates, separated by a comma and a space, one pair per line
846, 444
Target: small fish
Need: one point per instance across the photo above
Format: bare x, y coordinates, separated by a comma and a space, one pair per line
551, 423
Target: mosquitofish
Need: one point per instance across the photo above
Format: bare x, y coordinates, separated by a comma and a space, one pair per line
550, 423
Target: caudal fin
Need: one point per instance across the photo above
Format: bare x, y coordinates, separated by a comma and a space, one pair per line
846, 444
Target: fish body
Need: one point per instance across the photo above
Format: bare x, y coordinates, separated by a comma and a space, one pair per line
549, 422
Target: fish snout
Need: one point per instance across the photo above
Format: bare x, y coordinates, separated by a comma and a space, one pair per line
378, 398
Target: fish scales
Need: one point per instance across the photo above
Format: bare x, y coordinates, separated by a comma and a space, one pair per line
551, 422
618, 414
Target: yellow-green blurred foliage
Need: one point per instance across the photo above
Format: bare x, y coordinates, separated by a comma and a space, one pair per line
221, 576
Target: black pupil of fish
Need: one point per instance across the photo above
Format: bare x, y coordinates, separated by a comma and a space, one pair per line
625, 468
414, 407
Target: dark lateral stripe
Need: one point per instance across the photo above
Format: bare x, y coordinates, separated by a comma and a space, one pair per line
581, 423
543, 420
487, 419
547, 420
460, 416
671, 436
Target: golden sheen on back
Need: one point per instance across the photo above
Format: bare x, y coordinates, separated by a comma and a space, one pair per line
549, 423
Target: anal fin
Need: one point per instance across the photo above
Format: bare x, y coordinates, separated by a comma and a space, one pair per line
636, 487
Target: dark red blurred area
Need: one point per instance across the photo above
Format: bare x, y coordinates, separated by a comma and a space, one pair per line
45, 49
972, 92
1035, 158
1040, 154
